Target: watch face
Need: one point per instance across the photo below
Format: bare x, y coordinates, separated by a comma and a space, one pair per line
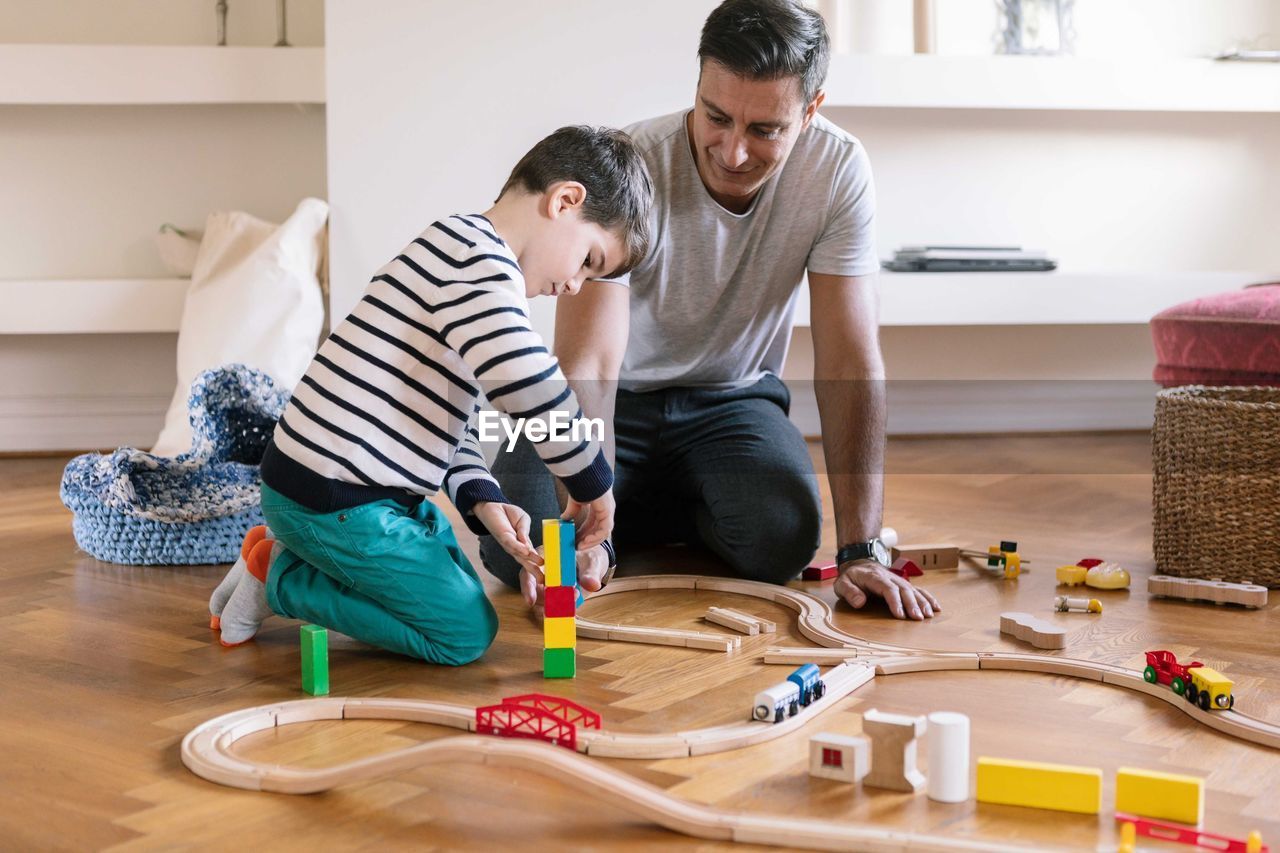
880, 553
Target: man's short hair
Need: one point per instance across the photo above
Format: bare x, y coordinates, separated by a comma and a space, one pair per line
768, 40
606, 162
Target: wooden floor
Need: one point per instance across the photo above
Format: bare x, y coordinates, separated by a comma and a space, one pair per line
105, 667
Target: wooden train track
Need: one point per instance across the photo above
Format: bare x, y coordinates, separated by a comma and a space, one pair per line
206, 750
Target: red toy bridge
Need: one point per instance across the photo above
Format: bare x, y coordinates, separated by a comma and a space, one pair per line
537, 716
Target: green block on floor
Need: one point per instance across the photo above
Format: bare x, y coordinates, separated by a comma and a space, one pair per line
558, 663
315, 660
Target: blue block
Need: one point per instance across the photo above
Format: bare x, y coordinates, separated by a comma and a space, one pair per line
568, 555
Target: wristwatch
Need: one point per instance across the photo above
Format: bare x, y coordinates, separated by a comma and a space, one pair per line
873, 549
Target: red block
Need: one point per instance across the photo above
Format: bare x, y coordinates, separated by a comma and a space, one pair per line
559, 601
1089, 562
905, 568
819, 572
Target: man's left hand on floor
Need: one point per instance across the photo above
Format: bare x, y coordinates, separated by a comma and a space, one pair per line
857, 581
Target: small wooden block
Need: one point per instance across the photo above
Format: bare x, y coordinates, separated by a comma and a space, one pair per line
839, 757
559, 663
904, 568
560, 601
823, 572
893, 751
930, 556
560, 632
568, 554
1165, 796
1071, 575
551, 552
1035, 784
315, 660
1037, 632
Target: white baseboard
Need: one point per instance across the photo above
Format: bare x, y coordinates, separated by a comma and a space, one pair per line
920, 407
81, 422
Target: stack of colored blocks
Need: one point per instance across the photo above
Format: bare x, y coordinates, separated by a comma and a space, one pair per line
560, 566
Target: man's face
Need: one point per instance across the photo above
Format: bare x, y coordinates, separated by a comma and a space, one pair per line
743, 130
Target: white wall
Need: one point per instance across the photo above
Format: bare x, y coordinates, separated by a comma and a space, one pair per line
461, 90
85, 188
1101, 191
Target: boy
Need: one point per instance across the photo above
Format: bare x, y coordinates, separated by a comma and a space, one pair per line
386, 415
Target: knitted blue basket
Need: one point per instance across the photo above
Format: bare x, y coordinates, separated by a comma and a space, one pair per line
136, 508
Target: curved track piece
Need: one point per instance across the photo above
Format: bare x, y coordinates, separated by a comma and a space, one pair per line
815, 621
203, 751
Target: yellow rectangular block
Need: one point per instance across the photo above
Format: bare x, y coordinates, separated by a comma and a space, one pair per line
551, 551
1163, 796
1062, 787
560, 632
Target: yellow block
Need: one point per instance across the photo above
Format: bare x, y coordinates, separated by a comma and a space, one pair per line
1164, 796
1062, 787
1071, 575
560, 632
551, 551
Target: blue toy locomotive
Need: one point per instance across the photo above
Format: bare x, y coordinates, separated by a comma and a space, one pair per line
802, 687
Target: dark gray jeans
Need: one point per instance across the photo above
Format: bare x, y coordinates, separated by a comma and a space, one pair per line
722, 468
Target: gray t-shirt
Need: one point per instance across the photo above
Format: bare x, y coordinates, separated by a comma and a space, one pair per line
712, 303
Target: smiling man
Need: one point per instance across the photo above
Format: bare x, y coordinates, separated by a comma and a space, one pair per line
752, 190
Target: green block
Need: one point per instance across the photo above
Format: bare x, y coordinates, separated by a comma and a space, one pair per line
558, 663
315, 660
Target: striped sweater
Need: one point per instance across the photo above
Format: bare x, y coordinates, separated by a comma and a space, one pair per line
388, 407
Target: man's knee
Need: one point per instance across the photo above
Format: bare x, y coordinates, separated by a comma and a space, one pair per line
499, 563
772, 540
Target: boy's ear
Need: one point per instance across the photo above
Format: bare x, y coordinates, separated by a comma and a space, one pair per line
564, 196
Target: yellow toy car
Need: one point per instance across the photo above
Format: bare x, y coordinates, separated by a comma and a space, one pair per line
1209, 689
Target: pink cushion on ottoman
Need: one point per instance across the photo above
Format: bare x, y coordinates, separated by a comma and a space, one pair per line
1226, 339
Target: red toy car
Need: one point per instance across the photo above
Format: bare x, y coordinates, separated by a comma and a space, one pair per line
1163, 667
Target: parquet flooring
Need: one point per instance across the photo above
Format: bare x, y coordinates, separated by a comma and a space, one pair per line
105, 667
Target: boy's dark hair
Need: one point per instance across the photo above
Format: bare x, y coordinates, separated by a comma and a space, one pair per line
768, 40
608, 164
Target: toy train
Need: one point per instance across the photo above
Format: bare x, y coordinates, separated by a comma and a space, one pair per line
1199, 684
802, 687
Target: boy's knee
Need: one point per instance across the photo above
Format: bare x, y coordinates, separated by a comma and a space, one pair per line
476, 632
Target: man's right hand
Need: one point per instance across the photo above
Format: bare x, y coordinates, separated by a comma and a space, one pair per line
594, 520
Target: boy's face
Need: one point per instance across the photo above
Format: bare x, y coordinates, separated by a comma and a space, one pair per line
568, 250
742, 131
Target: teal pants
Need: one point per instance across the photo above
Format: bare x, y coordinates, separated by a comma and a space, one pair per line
384, 574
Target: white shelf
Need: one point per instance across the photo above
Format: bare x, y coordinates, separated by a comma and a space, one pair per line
140, 74
1052, 83
1037, 299
90, 306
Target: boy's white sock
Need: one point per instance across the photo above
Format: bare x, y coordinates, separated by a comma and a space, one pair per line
247, 608
222, 594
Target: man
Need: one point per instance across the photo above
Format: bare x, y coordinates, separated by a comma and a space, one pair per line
752, 189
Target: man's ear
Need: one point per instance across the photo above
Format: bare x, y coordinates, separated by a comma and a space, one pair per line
564, 196
812, 109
